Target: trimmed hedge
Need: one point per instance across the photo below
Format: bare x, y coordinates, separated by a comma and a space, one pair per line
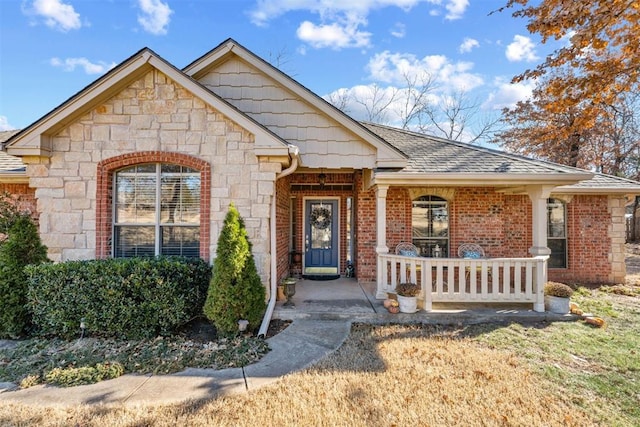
122, 298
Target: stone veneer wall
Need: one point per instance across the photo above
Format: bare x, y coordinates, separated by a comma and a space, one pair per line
153, 114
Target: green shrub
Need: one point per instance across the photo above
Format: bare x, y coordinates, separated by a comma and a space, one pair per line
21, 248
69, 377
236, 291
121, 298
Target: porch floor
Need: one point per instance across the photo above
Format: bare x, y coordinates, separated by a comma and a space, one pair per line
345, 298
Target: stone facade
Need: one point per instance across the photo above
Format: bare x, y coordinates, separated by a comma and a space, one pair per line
151, 118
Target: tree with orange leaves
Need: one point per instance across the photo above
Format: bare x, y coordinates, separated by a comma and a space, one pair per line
604, 41
583, 111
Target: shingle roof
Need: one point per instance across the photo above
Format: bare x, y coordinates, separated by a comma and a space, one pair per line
9, 163
428, 154
604, 183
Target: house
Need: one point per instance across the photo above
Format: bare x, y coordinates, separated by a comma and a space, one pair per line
147, 159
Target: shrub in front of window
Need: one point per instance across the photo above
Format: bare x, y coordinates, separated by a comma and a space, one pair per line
121, 298
236, 291
21, 248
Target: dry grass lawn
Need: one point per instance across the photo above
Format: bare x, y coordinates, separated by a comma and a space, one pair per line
391, 375
561, 374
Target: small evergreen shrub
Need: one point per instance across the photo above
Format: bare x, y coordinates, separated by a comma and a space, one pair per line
236, 291
21, 248
119, 298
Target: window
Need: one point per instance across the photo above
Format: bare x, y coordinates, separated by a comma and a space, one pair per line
557, 233
156, 211
430, 226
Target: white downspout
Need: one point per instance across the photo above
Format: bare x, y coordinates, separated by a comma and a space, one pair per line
262, 332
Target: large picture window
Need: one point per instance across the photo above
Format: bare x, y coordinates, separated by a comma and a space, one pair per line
430, 226
557, 233
156, 211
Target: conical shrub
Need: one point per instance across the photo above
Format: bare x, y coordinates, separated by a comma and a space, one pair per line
235, 291
23, 247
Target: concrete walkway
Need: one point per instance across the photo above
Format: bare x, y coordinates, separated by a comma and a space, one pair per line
322, 318
299, 345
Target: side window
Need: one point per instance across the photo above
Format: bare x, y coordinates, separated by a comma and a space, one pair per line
557, 233
156, 211
430, 226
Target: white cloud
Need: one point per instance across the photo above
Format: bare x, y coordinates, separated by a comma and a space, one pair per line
89, 67
335, 35
399, 30
467, 45
4, 124
508, 94
155, 16
56, 14
521, 49
341, 20
456, 8
393, 68
267, 10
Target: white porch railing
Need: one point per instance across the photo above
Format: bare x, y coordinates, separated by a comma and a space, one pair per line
491, 280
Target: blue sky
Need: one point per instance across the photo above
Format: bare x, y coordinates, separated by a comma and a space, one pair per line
51, 49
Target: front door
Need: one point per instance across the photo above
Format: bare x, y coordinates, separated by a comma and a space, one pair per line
321, 237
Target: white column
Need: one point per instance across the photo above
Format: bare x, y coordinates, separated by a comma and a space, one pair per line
539, 195
381, 235
381, 219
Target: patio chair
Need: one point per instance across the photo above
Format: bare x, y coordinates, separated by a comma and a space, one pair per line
407, 249
470, 250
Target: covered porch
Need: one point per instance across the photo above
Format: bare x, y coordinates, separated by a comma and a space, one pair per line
347, 299
496, 280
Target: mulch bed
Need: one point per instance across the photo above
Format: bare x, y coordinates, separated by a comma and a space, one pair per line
202, 330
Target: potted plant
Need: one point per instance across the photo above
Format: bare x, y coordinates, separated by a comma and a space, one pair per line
556, 297
408, 297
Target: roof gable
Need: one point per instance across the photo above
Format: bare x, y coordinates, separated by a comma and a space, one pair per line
385, 154
35, 139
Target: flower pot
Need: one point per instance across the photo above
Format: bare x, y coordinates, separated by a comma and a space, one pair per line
557, 305
408, 304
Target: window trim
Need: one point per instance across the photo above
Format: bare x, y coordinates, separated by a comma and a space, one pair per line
104, 194
433, 198
157, 223
565, 237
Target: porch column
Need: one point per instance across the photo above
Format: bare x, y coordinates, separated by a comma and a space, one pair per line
381, 235
539, 195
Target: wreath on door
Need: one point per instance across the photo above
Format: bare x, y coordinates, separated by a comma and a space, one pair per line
320, 217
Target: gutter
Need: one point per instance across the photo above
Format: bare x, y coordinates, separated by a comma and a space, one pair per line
262, 332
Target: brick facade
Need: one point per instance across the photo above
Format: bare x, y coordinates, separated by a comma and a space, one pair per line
501, 224
24, 196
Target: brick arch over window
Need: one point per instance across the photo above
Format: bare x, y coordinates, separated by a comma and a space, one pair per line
104, 194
